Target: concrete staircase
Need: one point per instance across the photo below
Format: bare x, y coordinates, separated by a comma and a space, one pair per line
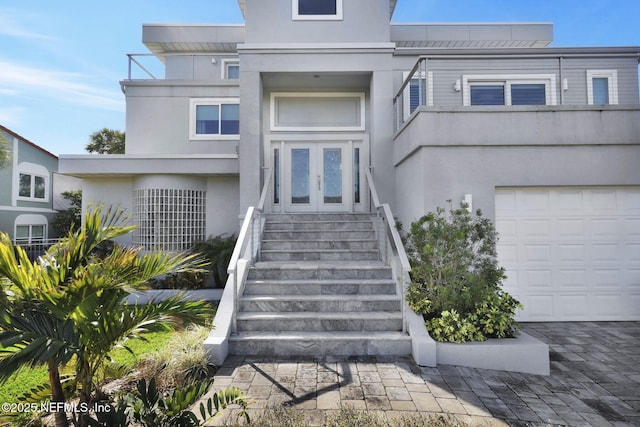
320, 289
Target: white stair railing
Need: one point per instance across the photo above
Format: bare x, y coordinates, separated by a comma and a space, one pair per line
247, 248
394, 242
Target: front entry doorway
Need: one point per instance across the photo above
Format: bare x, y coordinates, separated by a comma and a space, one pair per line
318, 176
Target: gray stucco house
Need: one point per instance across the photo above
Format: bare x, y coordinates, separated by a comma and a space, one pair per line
27, 190
307, 98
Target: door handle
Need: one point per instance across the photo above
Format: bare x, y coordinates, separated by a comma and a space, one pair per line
319, 181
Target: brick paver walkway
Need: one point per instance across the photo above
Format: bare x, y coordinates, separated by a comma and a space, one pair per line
594, 381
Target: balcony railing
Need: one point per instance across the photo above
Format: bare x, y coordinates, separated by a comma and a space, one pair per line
35, 247
412, 94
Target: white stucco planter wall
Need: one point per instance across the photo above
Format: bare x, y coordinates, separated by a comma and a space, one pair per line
524, 354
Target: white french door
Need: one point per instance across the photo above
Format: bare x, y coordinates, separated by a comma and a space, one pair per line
315, 177
318, 176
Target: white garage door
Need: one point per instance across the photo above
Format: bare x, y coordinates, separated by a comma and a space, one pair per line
571, 253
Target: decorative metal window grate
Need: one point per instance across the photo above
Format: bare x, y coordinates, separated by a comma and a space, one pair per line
168, 219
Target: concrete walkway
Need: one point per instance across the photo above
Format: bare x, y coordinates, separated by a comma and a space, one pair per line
594, 381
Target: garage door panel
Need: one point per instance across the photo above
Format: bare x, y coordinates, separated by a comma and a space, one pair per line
605, 253
604, 202
604, 228
535, 203
567, 202
535, 228
539, 307
571, 306
568, 279
537, 253
632, 251
607, 278
536, 279
569, 228
571, 253
631, 202
631, 227
607, 305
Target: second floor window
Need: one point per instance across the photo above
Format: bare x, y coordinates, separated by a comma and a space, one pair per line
317, 9
509, 90
215, 119
32, 186
602, 87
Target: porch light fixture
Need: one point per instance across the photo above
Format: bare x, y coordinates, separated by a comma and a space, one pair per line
457, 86
565, 84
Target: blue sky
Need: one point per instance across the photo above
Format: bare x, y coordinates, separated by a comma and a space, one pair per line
61, 61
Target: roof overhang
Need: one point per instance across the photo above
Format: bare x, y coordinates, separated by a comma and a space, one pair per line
472, 35
126, 165
195, 38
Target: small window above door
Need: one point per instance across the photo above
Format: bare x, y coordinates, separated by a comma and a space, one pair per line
316, 9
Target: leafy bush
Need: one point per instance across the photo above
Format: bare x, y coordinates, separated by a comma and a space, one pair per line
217, 250
451, 327
182, 361
454, 270
148, 407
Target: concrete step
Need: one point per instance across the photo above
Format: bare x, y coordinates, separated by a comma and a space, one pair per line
319, 225
320, 287
306, 217
319, 344
320, 321
319, 255
353, 244
318, 303
330, 270
319, 235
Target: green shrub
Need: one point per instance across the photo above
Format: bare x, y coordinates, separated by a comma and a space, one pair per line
183, 360
451, 327
454, 270
496, 315
217, 250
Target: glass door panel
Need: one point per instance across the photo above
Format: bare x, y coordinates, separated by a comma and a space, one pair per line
332, 168
300, 176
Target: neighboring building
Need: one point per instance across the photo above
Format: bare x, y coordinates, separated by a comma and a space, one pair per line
545, 140
26, 190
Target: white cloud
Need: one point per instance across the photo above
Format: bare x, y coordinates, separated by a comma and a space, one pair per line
11, 116
64, 86
10, 26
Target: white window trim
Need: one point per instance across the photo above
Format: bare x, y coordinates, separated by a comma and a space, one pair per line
225, 64
276, 95
406, 95
612, 76
549, 80
295, 15
193, 103
31, 220
33, 169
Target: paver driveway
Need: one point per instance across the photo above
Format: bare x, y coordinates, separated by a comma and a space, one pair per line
594, 381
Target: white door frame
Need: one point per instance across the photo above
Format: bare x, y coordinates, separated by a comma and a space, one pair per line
283, 143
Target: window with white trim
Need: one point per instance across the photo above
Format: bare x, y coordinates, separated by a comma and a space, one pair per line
30, 233
32, 187
230, 69
530, 89
602, 87
418, 92
168, 219
214, 118
316, 9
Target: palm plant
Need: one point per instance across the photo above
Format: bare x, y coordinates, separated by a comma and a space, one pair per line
71, 303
